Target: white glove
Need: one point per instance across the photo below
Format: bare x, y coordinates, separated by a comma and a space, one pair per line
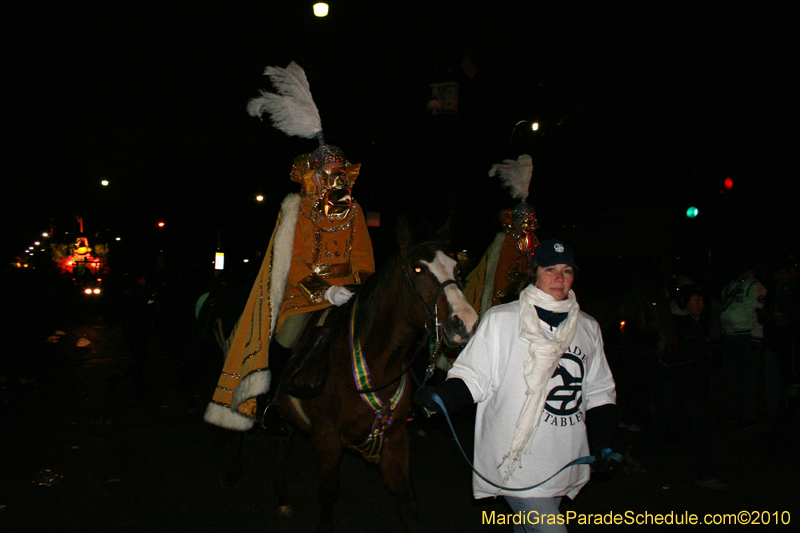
338, 295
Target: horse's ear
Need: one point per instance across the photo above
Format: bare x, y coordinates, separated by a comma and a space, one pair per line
443, 235
403, 233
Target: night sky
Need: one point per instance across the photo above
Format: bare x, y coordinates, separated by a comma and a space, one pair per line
645, 109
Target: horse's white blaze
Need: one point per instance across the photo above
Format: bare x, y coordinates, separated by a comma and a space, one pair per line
443, 267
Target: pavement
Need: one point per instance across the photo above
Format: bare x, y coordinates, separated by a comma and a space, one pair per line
76, 457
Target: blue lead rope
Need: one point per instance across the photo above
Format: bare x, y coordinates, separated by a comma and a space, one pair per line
589, 459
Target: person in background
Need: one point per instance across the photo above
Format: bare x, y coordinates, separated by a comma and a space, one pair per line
742, 306
683, 377
782, 317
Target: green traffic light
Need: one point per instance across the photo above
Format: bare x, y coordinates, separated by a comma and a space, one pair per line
692, 212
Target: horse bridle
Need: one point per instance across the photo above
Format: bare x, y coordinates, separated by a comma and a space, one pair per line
430, 310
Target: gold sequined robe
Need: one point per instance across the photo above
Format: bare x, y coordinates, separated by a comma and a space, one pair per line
500, 266
338, 252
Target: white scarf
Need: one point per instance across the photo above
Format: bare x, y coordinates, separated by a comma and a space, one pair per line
539, 367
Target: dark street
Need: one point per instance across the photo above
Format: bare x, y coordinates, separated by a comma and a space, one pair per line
77, 458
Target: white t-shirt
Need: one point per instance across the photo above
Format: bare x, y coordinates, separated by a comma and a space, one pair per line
742, 298
491, 365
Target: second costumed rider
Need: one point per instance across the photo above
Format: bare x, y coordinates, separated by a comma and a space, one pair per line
507, 259
319, 247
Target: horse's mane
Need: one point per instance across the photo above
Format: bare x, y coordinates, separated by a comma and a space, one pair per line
369, 297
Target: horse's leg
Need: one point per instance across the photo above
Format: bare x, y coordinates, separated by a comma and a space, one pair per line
327, 456
394, 466
280, 481
233, 468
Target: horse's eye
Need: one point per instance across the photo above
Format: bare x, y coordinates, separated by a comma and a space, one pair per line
418, 270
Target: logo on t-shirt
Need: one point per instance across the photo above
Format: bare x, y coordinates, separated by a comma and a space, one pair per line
563, 404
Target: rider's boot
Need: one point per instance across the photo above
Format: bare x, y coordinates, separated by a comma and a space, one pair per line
269, 412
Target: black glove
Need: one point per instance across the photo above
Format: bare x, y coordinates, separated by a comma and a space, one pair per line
454, 393
424, 398
606, 462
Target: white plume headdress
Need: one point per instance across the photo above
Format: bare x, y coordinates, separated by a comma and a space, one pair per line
515, 175
293, 110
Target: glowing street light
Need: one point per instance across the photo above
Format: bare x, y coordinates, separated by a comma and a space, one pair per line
533, 125
260, 198
321, 9
104, 183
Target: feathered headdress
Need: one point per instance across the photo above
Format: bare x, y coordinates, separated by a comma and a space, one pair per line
293, 110
515, 175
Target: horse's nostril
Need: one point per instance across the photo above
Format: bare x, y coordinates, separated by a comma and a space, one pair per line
455, 322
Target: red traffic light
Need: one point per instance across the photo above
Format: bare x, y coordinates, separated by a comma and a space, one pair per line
728, 184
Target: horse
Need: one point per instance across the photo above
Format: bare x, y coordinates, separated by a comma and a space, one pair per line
366, 399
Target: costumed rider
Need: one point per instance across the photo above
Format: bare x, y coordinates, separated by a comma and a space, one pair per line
319, 248
545, 394
507, 259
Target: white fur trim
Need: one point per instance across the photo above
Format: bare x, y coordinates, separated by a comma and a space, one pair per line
226, 418
282, 249
250, 387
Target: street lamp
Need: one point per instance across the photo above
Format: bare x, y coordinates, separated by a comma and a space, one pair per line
534, 127
321, 9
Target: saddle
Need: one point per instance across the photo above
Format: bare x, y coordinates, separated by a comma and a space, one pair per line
306, 371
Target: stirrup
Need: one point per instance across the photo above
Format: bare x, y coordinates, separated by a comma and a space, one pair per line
275, 424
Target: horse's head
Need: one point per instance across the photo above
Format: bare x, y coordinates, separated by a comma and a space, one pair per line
431, 276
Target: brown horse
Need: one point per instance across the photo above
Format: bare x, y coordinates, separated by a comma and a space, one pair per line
365, 403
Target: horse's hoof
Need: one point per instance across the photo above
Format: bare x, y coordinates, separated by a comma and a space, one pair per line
285, 510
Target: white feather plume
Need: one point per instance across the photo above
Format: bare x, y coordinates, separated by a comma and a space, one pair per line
292, 109
515, 175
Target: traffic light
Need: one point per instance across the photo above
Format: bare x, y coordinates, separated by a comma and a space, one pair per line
728, 184
692, 212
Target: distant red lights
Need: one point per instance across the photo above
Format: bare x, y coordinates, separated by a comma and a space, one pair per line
728, 184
